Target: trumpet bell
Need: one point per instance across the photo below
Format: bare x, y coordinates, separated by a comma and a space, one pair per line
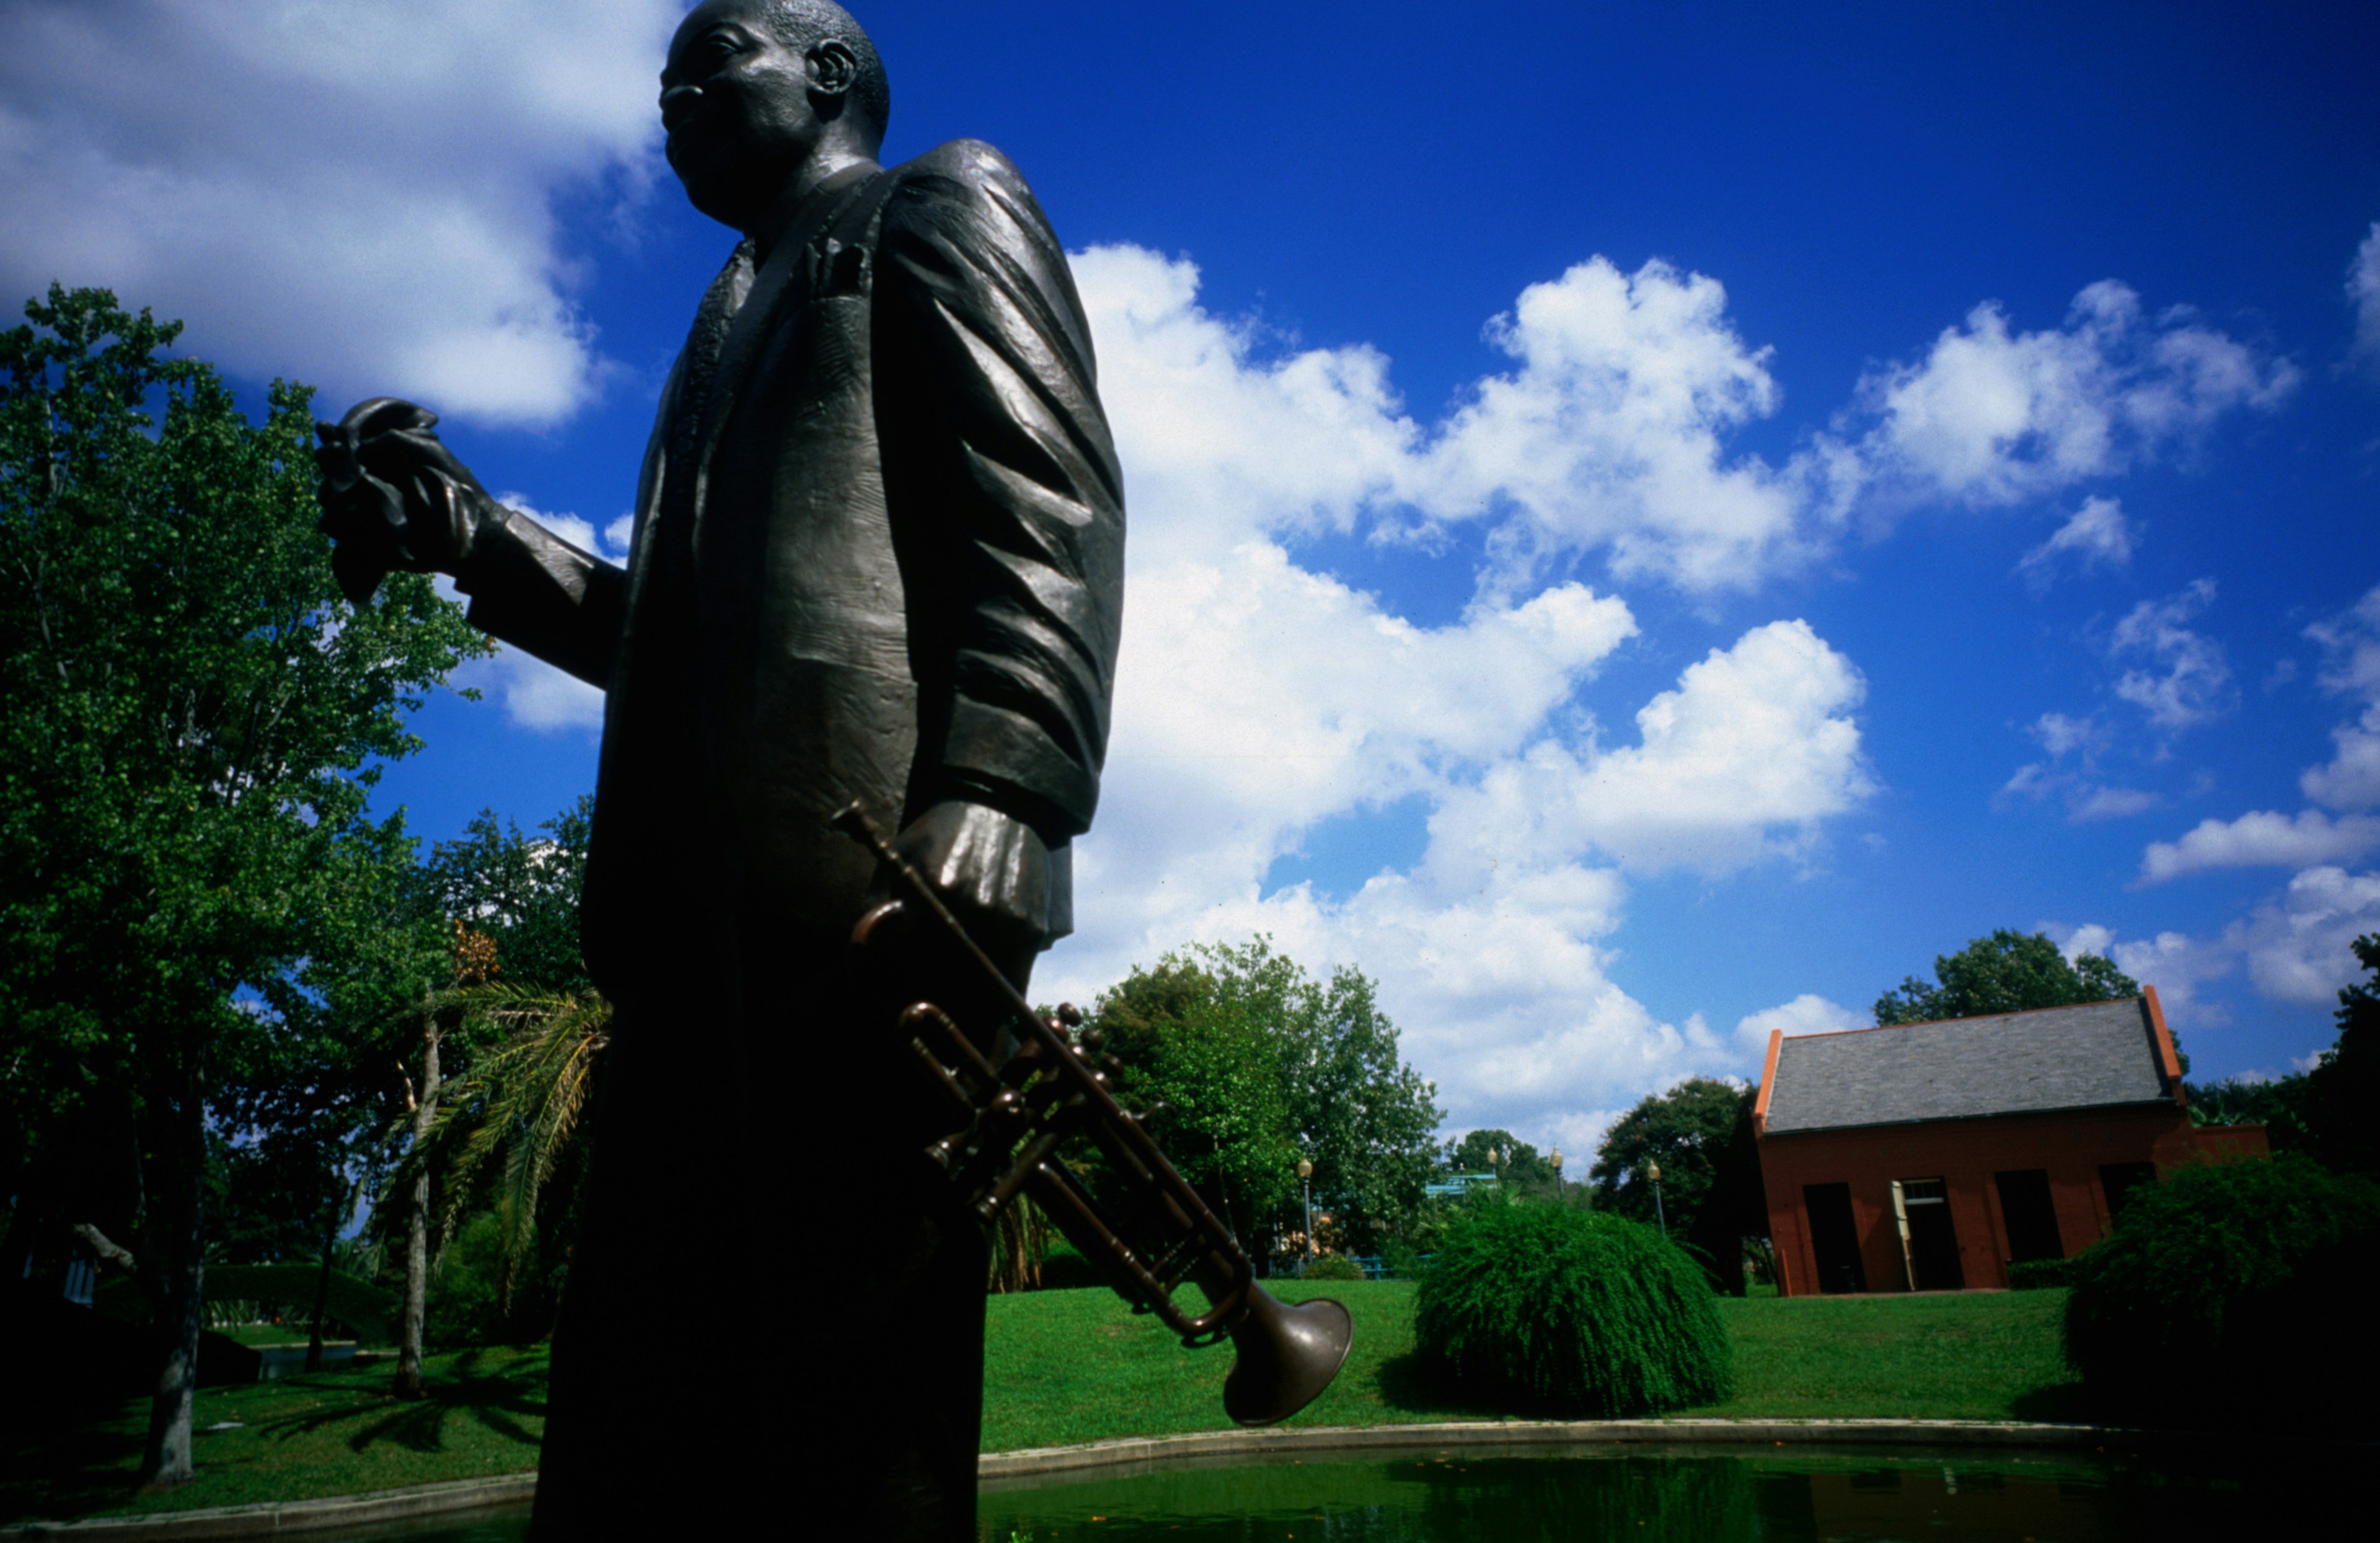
1288, 1353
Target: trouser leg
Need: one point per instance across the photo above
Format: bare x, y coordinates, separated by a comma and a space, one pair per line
773, 1298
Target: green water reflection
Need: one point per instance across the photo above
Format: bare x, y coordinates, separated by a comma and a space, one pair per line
1722, 1497
1641, 1495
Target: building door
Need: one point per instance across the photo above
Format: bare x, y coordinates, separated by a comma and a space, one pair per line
1927, 1235
2031, 1218
1834, 1237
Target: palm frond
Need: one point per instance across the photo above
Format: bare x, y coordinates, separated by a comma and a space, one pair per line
502, 1129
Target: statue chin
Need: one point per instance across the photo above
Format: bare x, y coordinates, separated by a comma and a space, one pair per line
718, 184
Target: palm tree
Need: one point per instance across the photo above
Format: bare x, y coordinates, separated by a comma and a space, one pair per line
509, 1128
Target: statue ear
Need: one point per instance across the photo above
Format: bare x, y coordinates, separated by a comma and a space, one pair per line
834, 67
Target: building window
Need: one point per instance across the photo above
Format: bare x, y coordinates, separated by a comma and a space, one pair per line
2120, 1179
1929, 1244
2032, 1219
1834, 1237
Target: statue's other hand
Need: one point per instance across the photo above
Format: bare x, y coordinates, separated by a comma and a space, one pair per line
393, 496
991, 869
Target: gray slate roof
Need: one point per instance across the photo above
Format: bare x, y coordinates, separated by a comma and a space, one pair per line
2086, 1057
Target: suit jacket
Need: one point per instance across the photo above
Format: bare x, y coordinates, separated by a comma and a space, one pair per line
893, 570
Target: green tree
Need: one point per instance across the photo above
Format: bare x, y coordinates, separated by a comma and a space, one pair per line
1249, 1064
1512, 1159
2342, 1086
512, 903
2278, 1103
1364, 1118
193, 721
1201, 1054
2007, 972
521, 891
1700, 1134
509, 1145
312, 1108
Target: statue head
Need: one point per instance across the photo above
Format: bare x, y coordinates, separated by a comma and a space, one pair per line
758, 94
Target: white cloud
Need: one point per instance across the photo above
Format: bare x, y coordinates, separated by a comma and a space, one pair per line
2177, 965
2352, 642
2188, 681
1609, 434
2089, 938
2262, 838
1256, 699
2085, 800
1741, 761
1807, 1014
2352, 778
2060, 734
2297, 945
2097, 534
361, 195
2092, 802
2363, 294
1993, 417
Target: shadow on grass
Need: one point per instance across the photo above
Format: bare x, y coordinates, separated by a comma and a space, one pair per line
497, 1399
90, 1466
1405, 1386
81, 1470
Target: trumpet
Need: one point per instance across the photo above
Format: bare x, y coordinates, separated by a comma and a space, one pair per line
1025, 1085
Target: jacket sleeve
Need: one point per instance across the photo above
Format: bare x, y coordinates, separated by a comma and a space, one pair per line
1006, 498
536, 591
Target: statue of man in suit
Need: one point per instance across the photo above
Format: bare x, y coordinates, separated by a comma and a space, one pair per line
878, 556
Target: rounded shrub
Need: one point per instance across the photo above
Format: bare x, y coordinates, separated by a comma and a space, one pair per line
1549, 1309
2231, 1290
1332, 1266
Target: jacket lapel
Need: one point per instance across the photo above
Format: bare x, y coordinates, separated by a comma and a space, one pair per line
649, 490
757, 320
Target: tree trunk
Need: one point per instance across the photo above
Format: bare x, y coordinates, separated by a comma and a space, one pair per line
416, 1224
322, 1277
178, 1282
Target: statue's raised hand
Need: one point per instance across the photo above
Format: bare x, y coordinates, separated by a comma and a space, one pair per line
394, 497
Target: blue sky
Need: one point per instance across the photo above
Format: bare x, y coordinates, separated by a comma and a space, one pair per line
1649, 522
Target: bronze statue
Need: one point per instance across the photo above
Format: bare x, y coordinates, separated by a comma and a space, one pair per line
877, 562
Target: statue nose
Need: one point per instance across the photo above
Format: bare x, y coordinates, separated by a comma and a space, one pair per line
677, 102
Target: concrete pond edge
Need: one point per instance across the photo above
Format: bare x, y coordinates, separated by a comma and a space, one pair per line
458, 1498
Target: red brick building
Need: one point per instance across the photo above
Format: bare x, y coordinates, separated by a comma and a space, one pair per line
1930, 1157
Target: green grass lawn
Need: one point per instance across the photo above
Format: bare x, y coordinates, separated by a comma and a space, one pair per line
1980, 1357
1060, 1366
277, 1333
333, 1433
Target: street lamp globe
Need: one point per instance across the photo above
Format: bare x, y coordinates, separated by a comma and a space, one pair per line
1305, 1168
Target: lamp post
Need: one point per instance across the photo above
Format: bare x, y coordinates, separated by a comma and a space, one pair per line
1557, 1161
1305, 1183
1495, 1166
1653, 1171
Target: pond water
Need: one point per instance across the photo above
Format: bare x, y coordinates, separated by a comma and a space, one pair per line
1704, 1495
